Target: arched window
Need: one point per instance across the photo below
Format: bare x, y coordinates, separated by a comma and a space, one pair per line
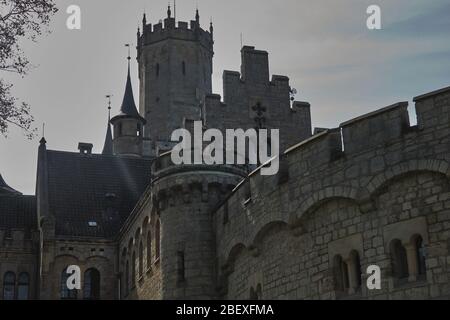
399, 260
23, 288
183, 68
133, 269
157, 239
127, 278
149, 249
341, 279
256, 294
141, 259
139, 130
9, 284
67, 294
92, 284
355, 270
420, 254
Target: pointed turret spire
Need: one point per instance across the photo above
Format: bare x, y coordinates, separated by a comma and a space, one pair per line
197, 16
144, 21
5, 189
211, 28
169, 11
128, 105
108, 146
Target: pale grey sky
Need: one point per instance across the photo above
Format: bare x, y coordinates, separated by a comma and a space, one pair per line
340, 67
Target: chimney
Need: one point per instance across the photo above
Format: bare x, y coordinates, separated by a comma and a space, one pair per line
85, 148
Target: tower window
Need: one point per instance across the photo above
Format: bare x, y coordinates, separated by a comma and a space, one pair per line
183, 68
92, 284
9, 282
399, 260
67, 294
139, 130
23, 287
420, 256
157, 69
181, 267
157, 240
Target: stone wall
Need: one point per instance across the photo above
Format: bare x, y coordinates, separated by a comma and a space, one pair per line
59, 254
138, 240
354, 191
19, 254
244, 91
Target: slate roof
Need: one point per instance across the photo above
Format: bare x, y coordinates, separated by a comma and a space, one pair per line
128, 107
5, 189
94, 188
17, 212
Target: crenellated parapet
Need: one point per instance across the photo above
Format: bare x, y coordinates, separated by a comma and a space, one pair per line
251, 99
354, 165
171, 29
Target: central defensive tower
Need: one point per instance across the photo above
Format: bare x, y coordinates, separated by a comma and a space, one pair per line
175, 70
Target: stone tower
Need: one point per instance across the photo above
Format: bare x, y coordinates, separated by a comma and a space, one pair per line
175, 69
185, 197
128, 125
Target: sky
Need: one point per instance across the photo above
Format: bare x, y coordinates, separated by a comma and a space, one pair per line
324, 46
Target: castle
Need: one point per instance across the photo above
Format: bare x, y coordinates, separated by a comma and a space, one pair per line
373, 191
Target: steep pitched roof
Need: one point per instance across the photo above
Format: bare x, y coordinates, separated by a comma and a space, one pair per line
128, 105
5, 189
108, 145
128, 108
18, 212
92, 195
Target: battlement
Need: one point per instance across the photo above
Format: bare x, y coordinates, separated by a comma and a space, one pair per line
352, 164
382, 134
170, 29
163, 166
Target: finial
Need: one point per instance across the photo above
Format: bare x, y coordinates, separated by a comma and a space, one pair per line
175, 9
169, 12
144, 21
129, 53
43, 141
197, 16
139, 32
109, 96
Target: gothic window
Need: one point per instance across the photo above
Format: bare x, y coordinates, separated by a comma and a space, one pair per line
256, 294
355, 269
9, 283
399, 260
23, 286
157, 240
157, 69
420, 255
133, 270
141, 259
119, 130
149, 249
183, 68
92, 284
341, 279
67, 294
139, 130
181, 267
127, 278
